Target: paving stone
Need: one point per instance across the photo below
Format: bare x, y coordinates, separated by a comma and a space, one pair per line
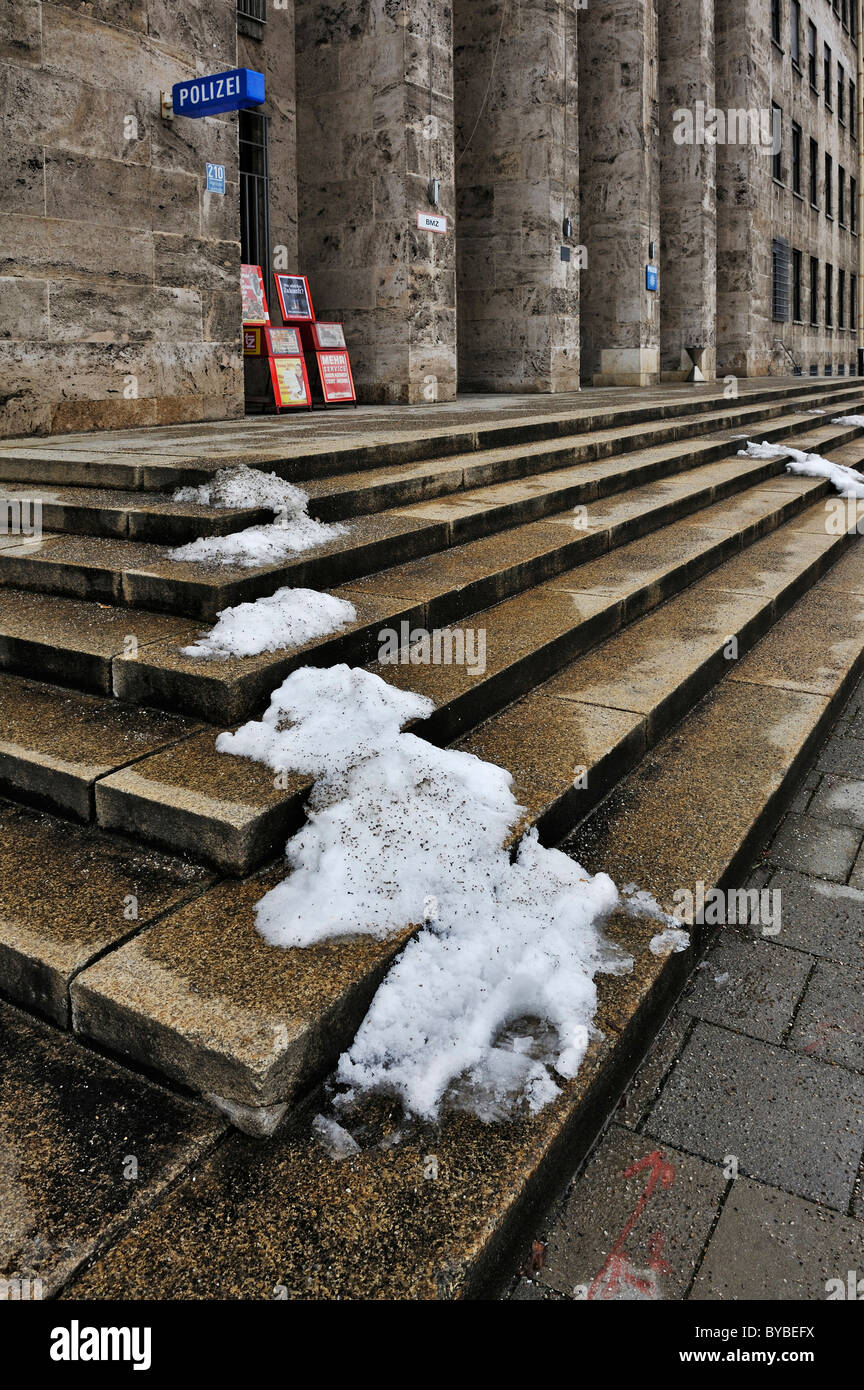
842, 756
839, 801
811, 846
67, 894
771, 1246
856, 878
74, 1126
830, 1022
751, 985
826, 919
637, 1100
633, 1224
789, 1119
804, 795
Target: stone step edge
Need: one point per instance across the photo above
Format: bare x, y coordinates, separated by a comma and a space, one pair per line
188, 596
550, 1158
622, 759
130, 810
331, 461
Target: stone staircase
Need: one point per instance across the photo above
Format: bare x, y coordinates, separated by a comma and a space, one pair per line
134, 853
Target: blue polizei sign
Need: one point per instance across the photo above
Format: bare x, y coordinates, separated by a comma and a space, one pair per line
224, 91
652, 278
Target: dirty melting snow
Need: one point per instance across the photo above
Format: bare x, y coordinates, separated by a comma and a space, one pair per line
847, 481
291, 531
400, 832
286, 619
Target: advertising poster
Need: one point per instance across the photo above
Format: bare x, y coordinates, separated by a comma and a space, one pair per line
295, 300
290, 383
284, 342
254, 298
337, 382
253, 340
328, 335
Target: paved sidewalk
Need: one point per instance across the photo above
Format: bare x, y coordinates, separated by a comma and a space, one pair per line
732, 1168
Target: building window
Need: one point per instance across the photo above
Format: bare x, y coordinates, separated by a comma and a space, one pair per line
829, 296
814, 291
252, 9
777, 128
844, 7
827, 76
797, 260
795, 31
814, 174
841, 195
841, 95
841, 299
853, 109
775, 20
853, 19
796, 157
853, 204
254, 192
811, 53
829, 186
853, 301
780, 279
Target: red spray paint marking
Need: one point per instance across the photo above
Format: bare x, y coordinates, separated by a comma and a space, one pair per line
618, 1270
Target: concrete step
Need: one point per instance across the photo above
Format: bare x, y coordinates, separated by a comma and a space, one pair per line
91, 511
189, 995
136, 462
348, 495
429, 592
226, 812
140, 516
138, 575
743, 747
55, 745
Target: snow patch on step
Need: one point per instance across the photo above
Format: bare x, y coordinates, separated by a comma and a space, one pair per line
281, 621
848, 482
292, 531
495, 996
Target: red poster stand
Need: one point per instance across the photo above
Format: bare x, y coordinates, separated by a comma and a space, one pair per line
281, 349
287, 369
323, 343
337, 383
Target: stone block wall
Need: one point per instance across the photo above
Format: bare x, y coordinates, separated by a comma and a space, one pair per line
119, 298
375, 123
619, 160
688, 209
517, 173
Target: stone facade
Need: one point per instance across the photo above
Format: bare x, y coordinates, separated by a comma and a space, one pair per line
119, 301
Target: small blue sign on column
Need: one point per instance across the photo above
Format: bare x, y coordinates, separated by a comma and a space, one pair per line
652, 278
215, 178
224, 91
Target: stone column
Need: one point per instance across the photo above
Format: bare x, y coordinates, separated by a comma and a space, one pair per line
374, 124
517, 175
619, 162
688, 207
744, 192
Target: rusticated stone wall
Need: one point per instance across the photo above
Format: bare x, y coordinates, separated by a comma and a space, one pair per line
518, 301
620, 190
374, 123
688, 211
119, 300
